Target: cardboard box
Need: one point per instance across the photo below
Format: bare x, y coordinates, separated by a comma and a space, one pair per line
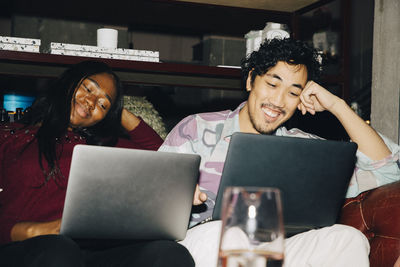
218, 50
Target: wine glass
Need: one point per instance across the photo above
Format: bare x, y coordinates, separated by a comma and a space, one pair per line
252, 232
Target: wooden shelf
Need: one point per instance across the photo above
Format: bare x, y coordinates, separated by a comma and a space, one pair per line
174, 74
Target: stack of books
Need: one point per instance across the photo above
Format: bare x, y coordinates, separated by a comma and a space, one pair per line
103, 52
19, 44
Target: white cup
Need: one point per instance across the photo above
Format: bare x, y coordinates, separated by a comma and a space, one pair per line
107, 37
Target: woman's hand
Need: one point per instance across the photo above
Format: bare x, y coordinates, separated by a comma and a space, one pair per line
128, 120
25, 230
315, 98
199, 197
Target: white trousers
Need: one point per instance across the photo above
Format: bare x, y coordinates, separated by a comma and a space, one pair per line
337, 245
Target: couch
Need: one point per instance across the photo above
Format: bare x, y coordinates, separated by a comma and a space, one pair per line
376, 213
143, 108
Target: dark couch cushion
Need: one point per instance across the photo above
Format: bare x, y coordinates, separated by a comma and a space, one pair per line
376, 213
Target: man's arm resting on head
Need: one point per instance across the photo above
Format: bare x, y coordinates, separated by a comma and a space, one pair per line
377, 156
315, 98
367, 139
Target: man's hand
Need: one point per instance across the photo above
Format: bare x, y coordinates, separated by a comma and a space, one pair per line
25, 230
199, 197
315, 98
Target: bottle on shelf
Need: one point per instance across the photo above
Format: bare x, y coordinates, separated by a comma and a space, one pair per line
18, 114
4, 118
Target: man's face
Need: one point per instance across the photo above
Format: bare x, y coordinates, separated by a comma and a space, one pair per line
92, 100
273, 98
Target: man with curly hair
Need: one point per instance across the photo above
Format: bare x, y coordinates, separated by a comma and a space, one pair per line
280, 78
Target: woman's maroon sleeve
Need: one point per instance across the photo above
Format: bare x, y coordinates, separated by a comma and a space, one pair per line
142, 137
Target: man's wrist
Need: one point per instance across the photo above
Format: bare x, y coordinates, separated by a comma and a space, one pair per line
339, 107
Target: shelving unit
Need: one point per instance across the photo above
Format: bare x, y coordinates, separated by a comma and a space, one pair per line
50, 66
170, 17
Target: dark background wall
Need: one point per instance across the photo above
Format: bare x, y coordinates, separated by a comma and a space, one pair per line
167, 32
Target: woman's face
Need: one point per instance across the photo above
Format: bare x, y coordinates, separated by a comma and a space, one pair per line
92, 100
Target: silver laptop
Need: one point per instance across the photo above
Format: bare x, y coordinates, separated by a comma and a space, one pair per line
312, 174
119, 193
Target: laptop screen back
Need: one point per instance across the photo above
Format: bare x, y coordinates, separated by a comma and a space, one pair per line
312, 174
119, 193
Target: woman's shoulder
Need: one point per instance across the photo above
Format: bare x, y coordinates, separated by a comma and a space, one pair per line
17, 127
16, 131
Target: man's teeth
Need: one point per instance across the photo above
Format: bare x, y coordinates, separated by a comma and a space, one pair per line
271, 113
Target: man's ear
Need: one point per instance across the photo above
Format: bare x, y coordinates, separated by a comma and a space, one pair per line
248, 81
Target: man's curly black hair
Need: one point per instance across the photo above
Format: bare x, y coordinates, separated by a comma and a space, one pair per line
289, 50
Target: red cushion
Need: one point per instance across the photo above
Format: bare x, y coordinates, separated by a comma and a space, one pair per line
376, 213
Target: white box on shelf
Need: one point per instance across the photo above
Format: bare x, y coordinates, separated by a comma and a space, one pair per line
19, 40
19, 47
101, 55
96, 49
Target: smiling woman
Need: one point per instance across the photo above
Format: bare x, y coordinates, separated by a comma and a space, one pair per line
85, 101
83, 106
92, 100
